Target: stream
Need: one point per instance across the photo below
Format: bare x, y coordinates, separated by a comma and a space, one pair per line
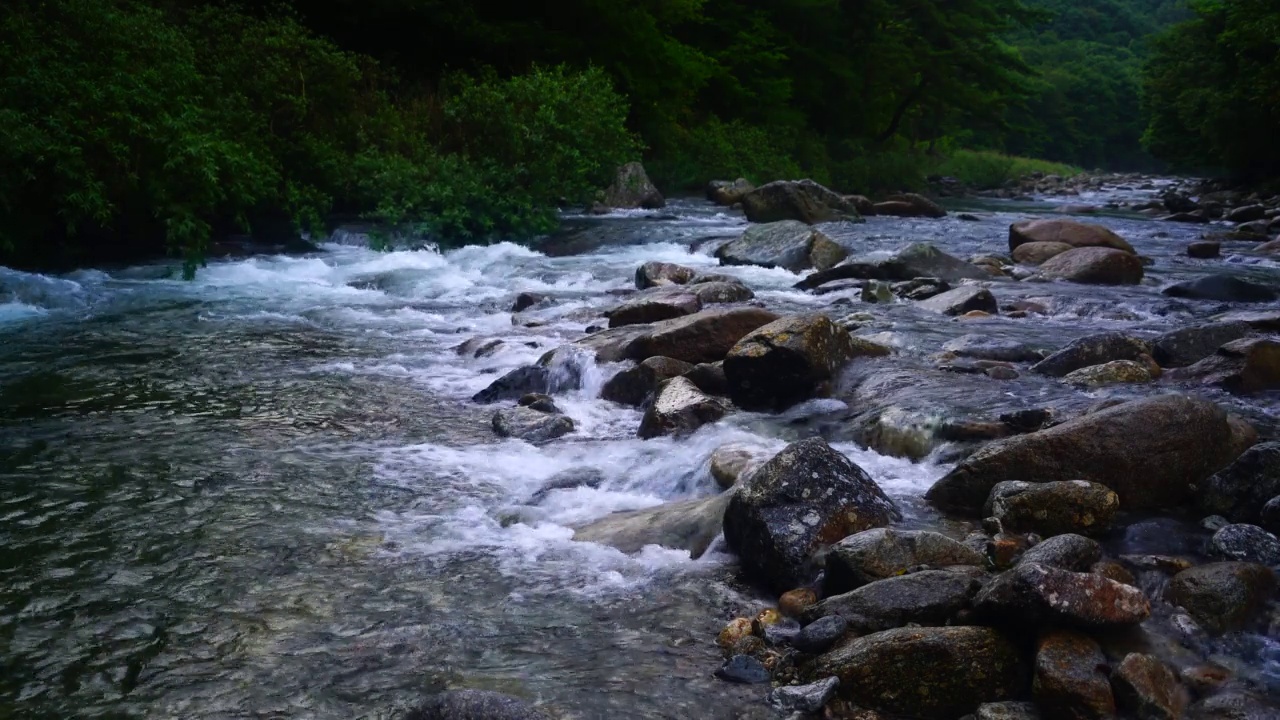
265, 493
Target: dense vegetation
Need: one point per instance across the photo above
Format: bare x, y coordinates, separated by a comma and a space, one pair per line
131, 123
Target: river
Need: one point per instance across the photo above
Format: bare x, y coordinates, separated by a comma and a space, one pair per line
265, 493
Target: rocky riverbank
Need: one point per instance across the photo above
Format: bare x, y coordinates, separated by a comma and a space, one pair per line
1038, 582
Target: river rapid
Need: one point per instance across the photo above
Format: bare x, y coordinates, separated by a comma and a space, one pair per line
266, 493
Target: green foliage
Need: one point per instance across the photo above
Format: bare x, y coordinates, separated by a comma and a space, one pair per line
1213, 90
993, 170
716, 149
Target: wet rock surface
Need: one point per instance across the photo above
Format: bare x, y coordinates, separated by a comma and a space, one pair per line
1034, 595
885, 553
1053, 508
1223, 596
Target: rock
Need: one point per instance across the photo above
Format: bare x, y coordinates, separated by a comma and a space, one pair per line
1271, 247
984, 347
1223, 596
1235, 706
791, 360
654, 305
475, 705
921, 206
720, 292
1241, 367
807, 497
737, 630
1190, 345
796, 603
962, 300
882, 553
1067, 552
743, 669
1152, 452
862, 203
1033, 595
1092, 350
710, 378
805, 699
1148, 690
1007, 711
569, 479
1186, 217
515, 385
932, 673
1070, 681
1221, 288
1240, 490
919, 288
1094, 266
928, 597
821, 634
655, 274
1069, 232
541, 403
631, 188
525, 300
1113, 570
685, 525
531, 425
1204, 250
1269, 517
729, 462
1036, 253
1053, 508
679, 408
1246, 543
726, 193
877, 292
918, 260
1247, 213
636, 385
803, 200
703, 337
1112, 373
787, 244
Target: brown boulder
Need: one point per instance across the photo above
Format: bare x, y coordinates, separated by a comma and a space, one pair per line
1033, 595
803, 200
1036, 253
1094, 266
790, 360
1241, 367
1070, 681
1148, 690
1223, 596
1073, 233
703, 337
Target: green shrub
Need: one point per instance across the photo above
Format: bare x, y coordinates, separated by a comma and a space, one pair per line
986, 169
714, 150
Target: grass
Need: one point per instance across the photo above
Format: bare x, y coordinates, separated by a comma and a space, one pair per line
984, 169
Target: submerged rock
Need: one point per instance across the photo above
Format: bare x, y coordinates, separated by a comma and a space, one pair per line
679, 408
805, 699
1053, 508
1033, 595
475, 705
531, 425
1152, 452
931, 673
790, 360
819, 635
807, 497
1094, 266
803, 200
1223, 596
569, 479
1093, 350
685, 525
743, 669
787, 244
984, 347
1069, 232
882, 553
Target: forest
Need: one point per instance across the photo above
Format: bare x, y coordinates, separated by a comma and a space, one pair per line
133, 126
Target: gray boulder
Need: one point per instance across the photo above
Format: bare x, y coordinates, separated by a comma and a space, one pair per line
961, 300
655, 274
881, 553
1076, 553
654, 305
1032, 595
631, 188
919, 260
1223, 596
804, 499
531, 425
984, 347
1246, 543
703, 337
685, 525
1037, 253
1190, 345
787, 244
634, 386
679, 408
803, 200
928, 597
1092, 350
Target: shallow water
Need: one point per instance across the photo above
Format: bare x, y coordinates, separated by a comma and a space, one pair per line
265, 493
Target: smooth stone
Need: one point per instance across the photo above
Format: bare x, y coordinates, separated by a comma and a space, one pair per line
1221, 288
961, 300
653, 306
1223, 596
821, 634
1036, 253
1246, 543
729, 462
928, 597
1204, 250
1092, 350
690, 525
984, 347
882, 553
1094, 266
531, 425
1076, 553
1071, 232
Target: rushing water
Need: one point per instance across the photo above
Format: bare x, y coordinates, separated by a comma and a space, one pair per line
265, 493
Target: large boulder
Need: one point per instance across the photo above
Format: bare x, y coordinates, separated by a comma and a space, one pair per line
703, 337
1240, 490
720, 292
884, 553
1070, 232
685, 525
654, 274
804, 499
679, 408
654, 305
961, 300
1223, 596
1033, 595
634, 386
787, 244
631, 188
1070, 681
1069, 552
475, 705
937, 673
803, 200
1152, 452
1116, 372
1053, 508
515, 385
1146, 688
790, 360
1094, 266
1242, 367
1247, 543
918, 260
1222, 288
1189, 345
728, 193
928, 597
531, 425
1037, 253
1090, 351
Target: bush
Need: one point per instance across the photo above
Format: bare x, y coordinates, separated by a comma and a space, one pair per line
985, 169
715, 150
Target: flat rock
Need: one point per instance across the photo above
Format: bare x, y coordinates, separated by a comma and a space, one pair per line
1094, 266
1032, 595
1053, 508
881, 553
1093, 350
679, 408
685, 525
819, 635
743, 669
962, 300
928, 597
984, 347
918, 260
1070, 232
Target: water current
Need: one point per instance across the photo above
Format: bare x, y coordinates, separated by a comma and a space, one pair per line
265, 493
